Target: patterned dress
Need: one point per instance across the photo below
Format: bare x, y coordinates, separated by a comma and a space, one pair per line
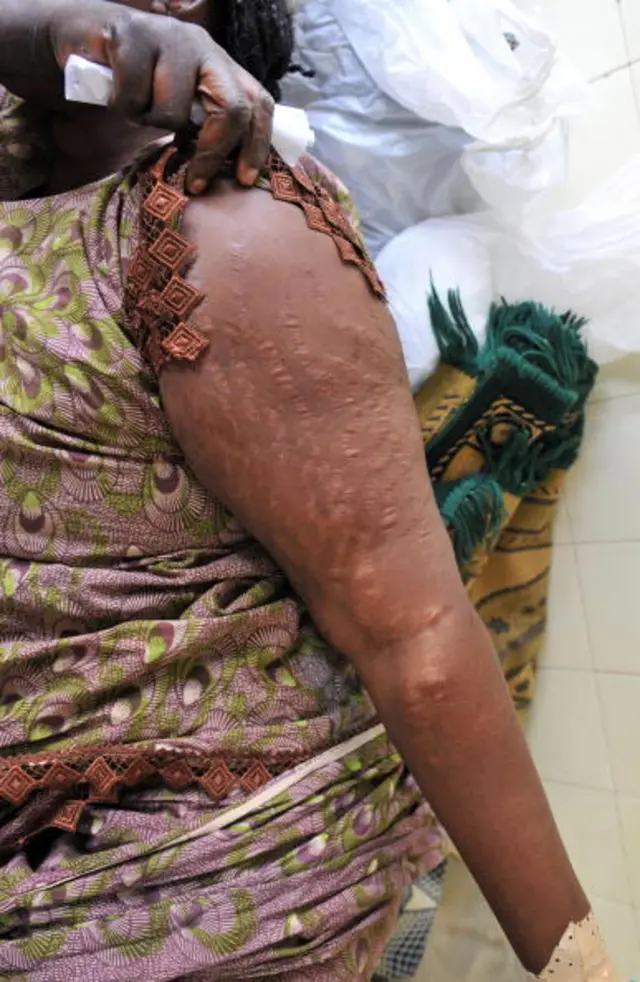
157, 674
192, 783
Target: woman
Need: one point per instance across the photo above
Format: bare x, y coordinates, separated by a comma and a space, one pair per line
195, 783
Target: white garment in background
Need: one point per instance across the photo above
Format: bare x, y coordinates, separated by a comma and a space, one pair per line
432, 107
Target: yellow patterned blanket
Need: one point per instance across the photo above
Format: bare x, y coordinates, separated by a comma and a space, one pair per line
501, 427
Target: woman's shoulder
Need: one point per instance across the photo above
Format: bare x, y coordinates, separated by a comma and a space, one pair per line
288, 235
294, 218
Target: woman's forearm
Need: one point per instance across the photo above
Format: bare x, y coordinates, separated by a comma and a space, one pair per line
447, 708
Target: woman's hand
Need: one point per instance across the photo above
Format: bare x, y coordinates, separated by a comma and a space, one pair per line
160, 65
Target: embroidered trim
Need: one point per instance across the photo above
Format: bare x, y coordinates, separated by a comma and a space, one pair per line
322, 214
98, 775
100, 771
159, 301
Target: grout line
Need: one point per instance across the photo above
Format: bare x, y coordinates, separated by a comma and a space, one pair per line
575, 784
613, 71
585, 669
585, 622
579, 670
597, 396
626, 853
596, 400
615, 674
566, 514
622, 395
599, 698
606, 542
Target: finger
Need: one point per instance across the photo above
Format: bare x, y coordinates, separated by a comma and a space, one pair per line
257, 142
228, 119
218, 138
85, 35
133, 60
174, 86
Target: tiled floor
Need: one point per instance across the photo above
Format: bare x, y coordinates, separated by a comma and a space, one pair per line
585, 728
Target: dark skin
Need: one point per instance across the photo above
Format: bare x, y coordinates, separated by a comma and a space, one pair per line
303, 395
160, 65
113, 138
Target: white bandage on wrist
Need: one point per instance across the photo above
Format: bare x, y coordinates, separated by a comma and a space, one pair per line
581, 956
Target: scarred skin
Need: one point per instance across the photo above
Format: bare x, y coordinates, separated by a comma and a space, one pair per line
300, 419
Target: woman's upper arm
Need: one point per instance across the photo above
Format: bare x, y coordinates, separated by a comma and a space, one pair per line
299, 417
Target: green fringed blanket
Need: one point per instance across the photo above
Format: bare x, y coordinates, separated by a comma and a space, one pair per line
501, 426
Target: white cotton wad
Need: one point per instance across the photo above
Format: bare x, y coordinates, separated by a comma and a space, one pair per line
84, 81
87, 82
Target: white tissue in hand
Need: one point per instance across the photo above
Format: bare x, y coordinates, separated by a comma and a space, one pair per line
85, 81
292, 135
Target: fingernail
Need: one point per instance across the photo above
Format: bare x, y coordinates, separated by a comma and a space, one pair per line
198, 186
249, 175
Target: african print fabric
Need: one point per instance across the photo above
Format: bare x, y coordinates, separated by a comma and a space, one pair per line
156, 669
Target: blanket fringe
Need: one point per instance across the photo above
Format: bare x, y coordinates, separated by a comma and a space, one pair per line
538, 359
474, 509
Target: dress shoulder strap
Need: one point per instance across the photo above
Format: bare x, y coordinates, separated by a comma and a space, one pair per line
160, 303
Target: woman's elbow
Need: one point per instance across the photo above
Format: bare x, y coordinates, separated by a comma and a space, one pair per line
425, 672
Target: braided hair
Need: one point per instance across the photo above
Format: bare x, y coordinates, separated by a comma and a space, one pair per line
258, 35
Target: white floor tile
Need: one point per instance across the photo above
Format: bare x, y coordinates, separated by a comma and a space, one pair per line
630, 10
562, 534
565, 730
610, 578
603, 489
635, 70
630, 822
589, 824
620, 699
466, 941
601, 140
567, 644
621, 378
618, 924
593, 40
605, 138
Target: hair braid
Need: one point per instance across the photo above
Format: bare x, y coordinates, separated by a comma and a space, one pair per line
258, 35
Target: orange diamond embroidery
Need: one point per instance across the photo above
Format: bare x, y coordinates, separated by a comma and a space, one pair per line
256, 777
218, 781
16, 785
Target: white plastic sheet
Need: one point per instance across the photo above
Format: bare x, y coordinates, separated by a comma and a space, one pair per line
432, 107
586, 259
450, 253
400, 169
